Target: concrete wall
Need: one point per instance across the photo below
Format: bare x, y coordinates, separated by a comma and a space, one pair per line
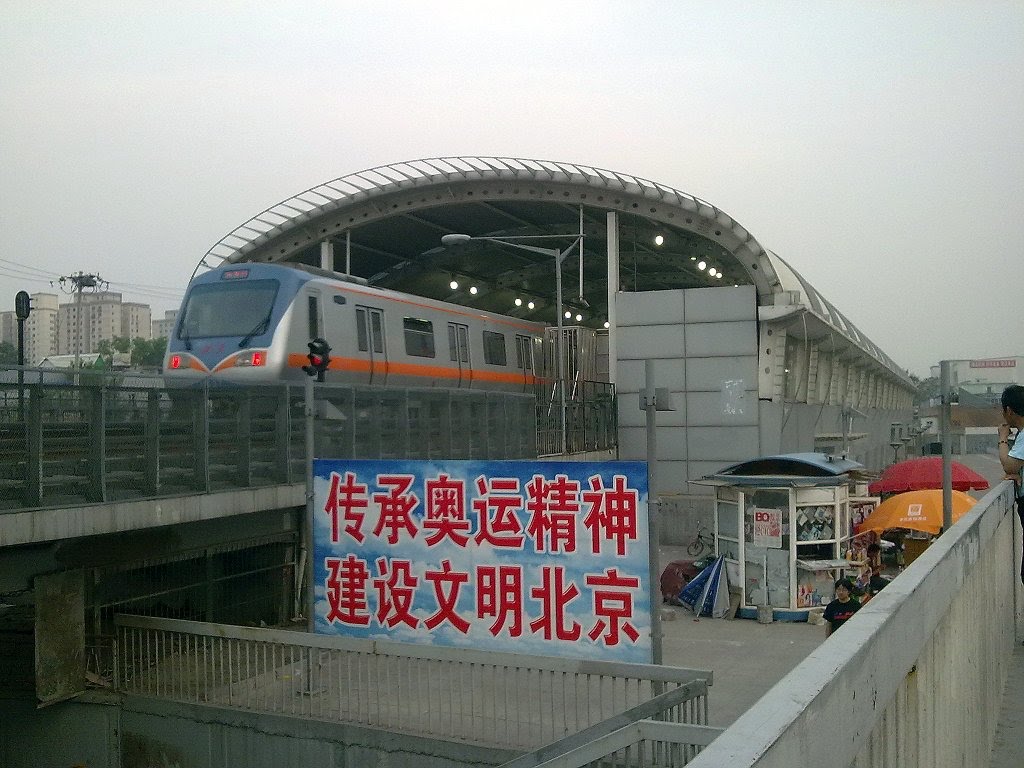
104, 731
791, 427
914, 679
704, 345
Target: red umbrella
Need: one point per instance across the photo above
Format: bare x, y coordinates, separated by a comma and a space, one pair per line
925, 472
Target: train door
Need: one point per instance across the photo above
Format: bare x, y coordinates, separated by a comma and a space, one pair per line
372, 351
524, 360
458, 352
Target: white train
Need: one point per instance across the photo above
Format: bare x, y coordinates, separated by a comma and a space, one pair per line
252, 323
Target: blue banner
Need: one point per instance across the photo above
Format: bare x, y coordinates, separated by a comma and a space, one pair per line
532, 557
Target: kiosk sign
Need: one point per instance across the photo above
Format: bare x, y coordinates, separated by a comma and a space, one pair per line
531, 557
767, 528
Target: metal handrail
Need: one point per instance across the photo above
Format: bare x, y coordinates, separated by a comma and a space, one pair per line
492, 699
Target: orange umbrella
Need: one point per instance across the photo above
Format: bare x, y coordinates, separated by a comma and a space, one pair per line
918, 510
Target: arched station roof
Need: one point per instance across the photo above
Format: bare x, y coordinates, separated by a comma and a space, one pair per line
387, 222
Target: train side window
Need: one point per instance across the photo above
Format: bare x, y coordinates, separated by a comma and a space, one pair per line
361, 334
419, 337
524, 353
453, 348
314, 325
494, 348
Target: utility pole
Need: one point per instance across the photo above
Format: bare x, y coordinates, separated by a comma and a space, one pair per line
75, 283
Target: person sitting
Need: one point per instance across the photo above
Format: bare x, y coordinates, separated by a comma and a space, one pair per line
856, 555
874, 558
840, 610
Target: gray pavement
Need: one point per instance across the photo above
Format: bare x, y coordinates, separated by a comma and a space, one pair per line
747, 658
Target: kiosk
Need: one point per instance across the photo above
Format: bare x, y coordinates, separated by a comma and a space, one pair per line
783, 524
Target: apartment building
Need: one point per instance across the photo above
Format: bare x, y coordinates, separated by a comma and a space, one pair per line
164, 328
97, 317
40, 328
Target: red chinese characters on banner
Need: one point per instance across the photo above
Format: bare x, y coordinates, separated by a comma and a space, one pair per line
346, 590
445, 515
553, 510
396, 588
613, 606
495, 507
396, 507
344, 499
509, 600
554, 595
499, 596
612, 514
447, 583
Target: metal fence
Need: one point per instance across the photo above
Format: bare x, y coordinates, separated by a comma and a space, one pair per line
97, 437
642, 743
109, 439
250, 583
496, 700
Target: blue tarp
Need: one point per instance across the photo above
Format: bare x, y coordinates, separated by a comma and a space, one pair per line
708, 593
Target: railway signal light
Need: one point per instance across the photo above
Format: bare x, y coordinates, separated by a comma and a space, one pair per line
22, 305
319, 358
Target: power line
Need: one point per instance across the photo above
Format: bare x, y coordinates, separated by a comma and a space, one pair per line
30, 270
148, 291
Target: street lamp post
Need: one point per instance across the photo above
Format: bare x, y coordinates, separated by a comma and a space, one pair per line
559, 256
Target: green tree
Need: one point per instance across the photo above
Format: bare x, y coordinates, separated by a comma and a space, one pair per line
105, 349
926, 389
8, 354
122, 344
149, 352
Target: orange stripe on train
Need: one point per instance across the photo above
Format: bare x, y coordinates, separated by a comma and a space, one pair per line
358, 365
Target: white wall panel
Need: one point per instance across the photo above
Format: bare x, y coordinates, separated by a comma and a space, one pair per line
720, 303
652, 341
637, 309
667, 373
721, 409
728, 444
708, 373
721, 339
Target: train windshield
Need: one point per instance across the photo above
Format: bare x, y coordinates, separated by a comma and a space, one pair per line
228, 309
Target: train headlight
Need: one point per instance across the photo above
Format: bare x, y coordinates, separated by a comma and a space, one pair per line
252, 358
175, 362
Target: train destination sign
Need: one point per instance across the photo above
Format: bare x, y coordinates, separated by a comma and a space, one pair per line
529, 557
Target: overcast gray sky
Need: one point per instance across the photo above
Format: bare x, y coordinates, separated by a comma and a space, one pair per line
878, 147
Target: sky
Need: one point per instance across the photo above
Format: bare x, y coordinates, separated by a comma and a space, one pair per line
878, 147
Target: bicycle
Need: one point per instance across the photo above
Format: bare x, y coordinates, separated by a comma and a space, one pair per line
700, 542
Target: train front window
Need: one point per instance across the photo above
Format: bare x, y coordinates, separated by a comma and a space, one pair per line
228, 309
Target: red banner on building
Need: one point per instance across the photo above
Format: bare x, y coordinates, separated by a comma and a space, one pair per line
993, 363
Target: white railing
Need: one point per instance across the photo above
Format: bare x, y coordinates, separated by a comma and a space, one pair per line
496, 700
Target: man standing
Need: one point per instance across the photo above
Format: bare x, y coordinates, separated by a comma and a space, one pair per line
839, 611
1011, 452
